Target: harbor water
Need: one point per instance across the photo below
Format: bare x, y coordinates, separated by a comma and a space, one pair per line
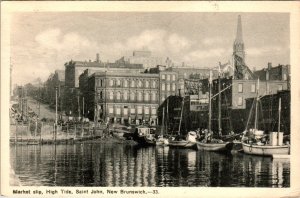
91, 164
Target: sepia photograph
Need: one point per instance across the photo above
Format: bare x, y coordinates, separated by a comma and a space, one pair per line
141, 100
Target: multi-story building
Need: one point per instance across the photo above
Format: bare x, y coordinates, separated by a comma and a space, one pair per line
56, 79
74, 69
280, 72
124, 97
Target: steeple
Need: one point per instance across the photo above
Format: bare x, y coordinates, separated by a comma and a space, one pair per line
239, 32
238, 45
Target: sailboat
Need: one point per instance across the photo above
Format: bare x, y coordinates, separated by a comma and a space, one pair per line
161, 140
208, 143
188, 141
275, 145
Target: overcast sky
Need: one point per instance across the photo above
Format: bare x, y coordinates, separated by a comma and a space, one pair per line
43, 42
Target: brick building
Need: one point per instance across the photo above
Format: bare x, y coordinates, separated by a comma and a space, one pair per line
73, 70
280, 72
124, 97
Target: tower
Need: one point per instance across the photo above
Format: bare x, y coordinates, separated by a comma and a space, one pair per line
238, 45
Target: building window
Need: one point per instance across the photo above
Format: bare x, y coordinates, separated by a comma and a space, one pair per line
280, 87
101, 95
163, 86
132, 83
168, 77
132, 110
284, 77
146, 83
240, 88
140, 110
153, 96
240, 101
110, 110
132, 96
146, 110
125, 83
153, 84
253, 88
118, 96
153, 111
118, 82
168, 87
140, 84
111, 82
182, 87
146, 96
163, 77
111, 95
118, 110
173, 87
125, 110
173, 77
125, 95
139, 96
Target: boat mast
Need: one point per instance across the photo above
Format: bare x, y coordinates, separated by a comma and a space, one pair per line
256, 105
279, 112
209, 102
181, 116
163, 121
167, 116
219, 102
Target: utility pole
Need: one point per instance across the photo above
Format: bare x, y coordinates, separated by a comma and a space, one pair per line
83, 107
55, 115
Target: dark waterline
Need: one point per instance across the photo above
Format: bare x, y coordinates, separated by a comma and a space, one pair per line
123, 165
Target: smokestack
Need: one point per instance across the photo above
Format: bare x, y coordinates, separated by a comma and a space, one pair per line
97, 58
269, 65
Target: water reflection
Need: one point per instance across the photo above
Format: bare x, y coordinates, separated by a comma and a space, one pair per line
123, 165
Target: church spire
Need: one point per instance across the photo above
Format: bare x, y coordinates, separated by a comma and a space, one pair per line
238, 45
239, 32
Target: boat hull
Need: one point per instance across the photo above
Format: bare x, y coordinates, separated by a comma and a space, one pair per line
211, 146
234, 147
182, 144
143, 141
266, 150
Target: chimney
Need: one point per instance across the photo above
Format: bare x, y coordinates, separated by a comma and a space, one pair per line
97, 58
269, 65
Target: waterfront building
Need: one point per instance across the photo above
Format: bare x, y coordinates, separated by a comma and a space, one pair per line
73, 69
123, 97
280, 72
56, 79
268, 111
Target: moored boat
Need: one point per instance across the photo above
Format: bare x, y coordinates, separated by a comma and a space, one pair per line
189, 141
266, 150
144, 136
212, 146
255, 142
209, 143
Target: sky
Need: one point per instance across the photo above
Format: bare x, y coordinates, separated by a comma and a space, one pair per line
43, 42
